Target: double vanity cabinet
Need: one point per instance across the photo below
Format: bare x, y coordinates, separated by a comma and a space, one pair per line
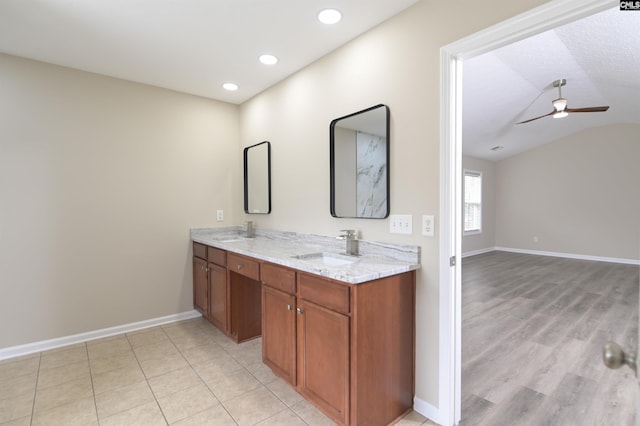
347, 348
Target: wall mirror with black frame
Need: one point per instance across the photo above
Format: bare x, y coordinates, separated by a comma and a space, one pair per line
257, 178
359, 158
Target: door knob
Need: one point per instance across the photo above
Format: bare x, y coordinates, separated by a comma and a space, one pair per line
614, 357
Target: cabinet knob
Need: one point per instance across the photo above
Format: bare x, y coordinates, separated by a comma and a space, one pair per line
289, 307
240, 266
299, 310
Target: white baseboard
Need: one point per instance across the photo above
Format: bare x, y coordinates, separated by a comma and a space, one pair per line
571, 256
477, 252
429, 411
44, 345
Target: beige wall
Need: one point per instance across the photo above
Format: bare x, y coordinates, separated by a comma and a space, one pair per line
100, 180
396, 64
578, 195
485, 240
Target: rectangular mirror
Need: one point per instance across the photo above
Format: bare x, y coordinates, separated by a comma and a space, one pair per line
359, 151
257, 178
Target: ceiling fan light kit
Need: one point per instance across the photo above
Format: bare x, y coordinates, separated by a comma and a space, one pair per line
560, 109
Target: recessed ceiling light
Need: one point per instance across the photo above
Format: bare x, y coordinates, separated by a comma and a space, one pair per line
329, 16
268, 59
230, 86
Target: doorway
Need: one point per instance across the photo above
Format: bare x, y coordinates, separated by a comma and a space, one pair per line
452, 56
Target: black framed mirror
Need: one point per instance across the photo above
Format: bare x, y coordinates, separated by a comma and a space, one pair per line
359, 157
257, 178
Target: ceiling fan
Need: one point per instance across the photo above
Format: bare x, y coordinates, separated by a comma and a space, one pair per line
560, 105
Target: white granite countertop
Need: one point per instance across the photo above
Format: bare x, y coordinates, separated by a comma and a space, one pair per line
375, 260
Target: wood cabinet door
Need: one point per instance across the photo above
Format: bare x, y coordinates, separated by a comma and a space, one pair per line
200, 295
279, 333
323, 359
218, 295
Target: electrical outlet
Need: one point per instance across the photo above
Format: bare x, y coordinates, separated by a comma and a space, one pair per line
219, 215
401, 224
428, 225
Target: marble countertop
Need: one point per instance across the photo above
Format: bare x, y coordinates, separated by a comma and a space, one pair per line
375, 260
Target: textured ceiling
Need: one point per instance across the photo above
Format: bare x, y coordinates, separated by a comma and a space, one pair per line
599, 56
192, 46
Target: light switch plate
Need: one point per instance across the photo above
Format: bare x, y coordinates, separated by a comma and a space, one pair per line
401, 224
219, 215
428, 225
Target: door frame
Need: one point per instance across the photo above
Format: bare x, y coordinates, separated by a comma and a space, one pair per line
452, 56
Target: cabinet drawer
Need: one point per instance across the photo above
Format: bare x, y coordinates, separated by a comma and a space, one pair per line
244, 266
200, 250
217, 256
278, 277
323, 292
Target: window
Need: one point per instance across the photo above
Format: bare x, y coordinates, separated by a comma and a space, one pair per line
472, 202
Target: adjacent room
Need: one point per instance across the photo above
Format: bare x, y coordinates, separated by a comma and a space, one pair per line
551, 239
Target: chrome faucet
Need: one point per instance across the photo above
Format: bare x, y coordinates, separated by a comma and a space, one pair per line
251, 231
352, 243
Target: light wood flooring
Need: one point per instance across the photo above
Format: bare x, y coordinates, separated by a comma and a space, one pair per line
533, 328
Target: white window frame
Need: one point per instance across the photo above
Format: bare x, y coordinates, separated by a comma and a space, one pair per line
478, 174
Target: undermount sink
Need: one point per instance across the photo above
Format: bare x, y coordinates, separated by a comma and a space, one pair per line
327, 259
230, 238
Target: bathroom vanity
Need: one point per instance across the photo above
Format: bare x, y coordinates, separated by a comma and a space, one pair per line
339, 329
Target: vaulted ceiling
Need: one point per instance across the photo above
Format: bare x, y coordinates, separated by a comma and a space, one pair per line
599, 56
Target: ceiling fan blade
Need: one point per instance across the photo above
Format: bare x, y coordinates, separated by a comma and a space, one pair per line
531, 119
588, 109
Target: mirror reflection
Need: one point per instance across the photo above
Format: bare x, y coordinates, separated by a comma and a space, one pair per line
359, 150
257, 178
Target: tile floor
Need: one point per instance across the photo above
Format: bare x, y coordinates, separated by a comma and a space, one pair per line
185, 373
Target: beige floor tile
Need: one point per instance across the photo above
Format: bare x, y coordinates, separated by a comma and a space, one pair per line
284, 392
123, 399
187, 329
262, 373
109, 347
16, 407
186, 403
18, 386
81, 412
19, 367
174, 381
63, 356
202, 353
414, 419
147, 337
221, 365
255, 406
144, 415
228, 386
311, 415
121, 360
186, 342
114, 379
23, 421
157, 366
65, 373
250, 356
213, 416
160, 349
286, 417
65, 393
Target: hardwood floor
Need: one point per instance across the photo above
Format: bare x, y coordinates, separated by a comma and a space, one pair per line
533, 328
